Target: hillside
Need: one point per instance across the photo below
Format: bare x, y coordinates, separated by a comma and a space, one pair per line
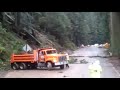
9, 43
61, 30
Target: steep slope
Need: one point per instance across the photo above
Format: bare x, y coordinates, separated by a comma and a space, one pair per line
9, 43
61, 30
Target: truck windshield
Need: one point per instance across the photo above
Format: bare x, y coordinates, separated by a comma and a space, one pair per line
51, 52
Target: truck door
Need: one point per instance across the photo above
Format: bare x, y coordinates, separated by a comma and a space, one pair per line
41, 56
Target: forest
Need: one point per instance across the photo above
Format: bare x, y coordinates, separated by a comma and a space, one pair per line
62, 30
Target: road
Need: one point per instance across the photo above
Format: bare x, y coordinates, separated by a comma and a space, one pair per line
76, 70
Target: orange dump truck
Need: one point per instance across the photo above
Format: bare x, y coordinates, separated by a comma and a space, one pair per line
45, 57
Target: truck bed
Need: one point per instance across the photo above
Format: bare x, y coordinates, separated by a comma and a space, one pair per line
23, 58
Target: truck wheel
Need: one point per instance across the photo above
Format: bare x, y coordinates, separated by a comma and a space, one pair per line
49, 65
61, 66
15, 66
23, 66
29, 66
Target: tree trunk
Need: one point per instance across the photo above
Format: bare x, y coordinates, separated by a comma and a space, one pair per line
115, 33
17, 18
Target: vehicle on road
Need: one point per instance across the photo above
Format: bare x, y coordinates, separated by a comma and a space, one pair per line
106, 45
44, 57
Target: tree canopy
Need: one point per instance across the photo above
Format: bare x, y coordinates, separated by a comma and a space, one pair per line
69, 29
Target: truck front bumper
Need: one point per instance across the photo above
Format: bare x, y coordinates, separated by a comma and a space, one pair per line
61, 63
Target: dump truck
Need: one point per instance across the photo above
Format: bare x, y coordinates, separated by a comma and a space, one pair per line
44, 57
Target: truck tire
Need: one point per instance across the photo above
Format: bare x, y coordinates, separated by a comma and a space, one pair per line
29, 66
49, 65
61, 66
15, 66
23, 66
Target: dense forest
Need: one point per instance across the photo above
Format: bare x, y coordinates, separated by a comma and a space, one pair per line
66, 30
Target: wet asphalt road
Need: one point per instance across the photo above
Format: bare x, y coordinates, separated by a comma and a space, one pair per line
76, 70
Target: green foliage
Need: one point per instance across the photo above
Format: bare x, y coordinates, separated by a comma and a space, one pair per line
90, 27
69, 29
58, 25
2, 49
9, 44
64, 29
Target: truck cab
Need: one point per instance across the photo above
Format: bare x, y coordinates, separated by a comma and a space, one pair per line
51, 58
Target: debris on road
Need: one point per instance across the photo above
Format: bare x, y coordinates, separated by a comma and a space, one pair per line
106, 45
65, 76
110, 53
96, 45
100, 46
83, 61
60, 72
107, 56
82, 46
88, 45
72, 60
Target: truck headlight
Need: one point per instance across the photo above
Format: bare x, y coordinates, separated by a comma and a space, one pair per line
54, 60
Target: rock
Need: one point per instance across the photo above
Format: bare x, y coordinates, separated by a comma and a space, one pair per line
64, 76
60, 72
83, 61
